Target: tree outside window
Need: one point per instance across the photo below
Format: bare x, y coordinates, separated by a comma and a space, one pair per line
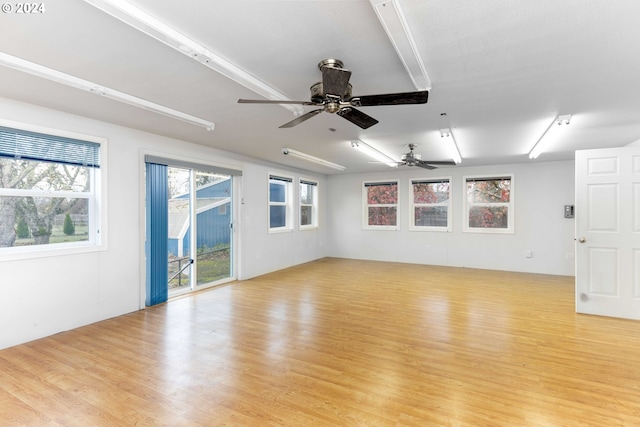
381, 205
489, 204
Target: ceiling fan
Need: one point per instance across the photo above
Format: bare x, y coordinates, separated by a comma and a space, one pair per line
413, 159
333, 95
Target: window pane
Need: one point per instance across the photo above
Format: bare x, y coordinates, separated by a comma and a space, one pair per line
28, 221
488, 217
306, 215
430, 192
382, 194
277, 216
306, 194
179, 183
382, 215
431, 216
277, 192
489, 191
45, 176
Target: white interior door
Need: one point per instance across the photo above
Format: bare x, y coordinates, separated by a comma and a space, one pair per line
608, 232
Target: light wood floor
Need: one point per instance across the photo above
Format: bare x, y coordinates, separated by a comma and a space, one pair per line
339, 343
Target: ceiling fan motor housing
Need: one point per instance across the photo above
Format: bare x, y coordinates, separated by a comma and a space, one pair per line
318, 95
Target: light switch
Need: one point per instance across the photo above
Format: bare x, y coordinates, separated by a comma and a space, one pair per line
568, 211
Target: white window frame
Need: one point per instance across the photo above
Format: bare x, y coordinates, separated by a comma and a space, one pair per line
288, 194
314, 204
97, 203
413, 205
467, 205
366, 205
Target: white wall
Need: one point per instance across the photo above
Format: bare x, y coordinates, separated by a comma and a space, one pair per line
541, 191
263, 252
43, 296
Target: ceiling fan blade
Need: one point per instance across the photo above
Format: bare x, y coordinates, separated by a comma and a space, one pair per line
357, 117
425, 165
272, 101
439, 162
335, 81
419, 97
302, 118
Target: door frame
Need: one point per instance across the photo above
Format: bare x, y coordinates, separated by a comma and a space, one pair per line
180, 160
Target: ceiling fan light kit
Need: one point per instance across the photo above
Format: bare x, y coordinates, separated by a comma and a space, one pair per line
562, 121
78, 83
313, 159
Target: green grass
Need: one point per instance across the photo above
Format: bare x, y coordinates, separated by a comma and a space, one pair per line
212, 266
214, 269
57, 236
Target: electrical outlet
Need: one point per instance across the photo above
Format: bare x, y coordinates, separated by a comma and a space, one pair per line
528, 254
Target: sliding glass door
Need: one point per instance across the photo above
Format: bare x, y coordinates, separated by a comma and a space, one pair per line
213, 227
194, 216
179, 207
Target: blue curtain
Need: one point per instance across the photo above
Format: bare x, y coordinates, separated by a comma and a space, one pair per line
157, 207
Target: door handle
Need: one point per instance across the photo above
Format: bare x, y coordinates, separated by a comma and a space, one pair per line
582, 240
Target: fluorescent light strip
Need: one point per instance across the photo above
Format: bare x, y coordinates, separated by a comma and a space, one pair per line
394, 23
78, 83
160, 31
455, 151
537, 148
310, 158
374, 154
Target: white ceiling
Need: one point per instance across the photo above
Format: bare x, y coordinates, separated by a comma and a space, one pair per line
500, 69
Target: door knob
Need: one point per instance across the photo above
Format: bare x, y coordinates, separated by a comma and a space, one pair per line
582, 240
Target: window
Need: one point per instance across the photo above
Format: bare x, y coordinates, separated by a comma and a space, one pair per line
280, 211
381, 205
430, 204
49, 191
308, 204
489, 204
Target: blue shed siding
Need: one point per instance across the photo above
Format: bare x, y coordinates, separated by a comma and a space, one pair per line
213, 229
213, 226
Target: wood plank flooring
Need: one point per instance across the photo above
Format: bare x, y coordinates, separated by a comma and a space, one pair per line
339, 343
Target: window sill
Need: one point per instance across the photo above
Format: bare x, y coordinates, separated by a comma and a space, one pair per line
432, 229
488, 230
381, 228
280, 230
32, 252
